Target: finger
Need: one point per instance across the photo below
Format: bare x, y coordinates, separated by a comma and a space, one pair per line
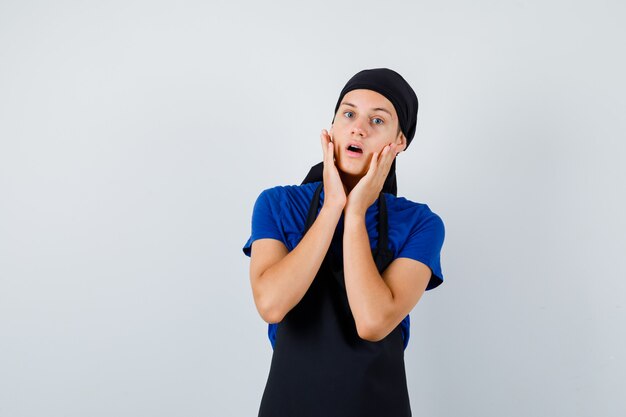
380, 156
390, 153
329, 154
324, 141
329, 145
373, 163
387, 157
393, 152
381, 166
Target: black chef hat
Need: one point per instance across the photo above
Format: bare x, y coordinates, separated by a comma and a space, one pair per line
391, 85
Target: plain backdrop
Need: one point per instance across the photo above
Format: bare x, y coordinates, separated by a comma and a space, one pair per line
135, 137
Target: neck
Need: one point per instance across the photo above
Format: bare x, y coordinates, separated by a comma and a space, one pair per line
349, 181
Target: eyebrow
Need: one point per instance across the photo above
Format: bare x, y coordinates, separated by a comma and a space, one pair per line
375, 108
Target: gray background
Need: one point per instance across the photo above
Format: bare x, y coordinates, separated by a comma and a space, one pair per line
136, 136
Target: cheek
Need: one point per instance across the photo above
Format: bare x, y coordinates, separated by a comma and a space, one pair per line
336, 149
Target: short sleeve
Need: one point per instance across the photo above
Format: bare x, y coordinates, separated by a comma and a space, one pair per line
265, 219
424, 245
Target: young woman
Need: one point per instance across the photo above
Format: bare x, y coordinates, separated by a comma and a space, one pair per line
338, 262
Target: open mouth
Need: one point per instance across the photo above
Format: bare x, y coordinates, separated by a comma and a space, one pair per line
354, 148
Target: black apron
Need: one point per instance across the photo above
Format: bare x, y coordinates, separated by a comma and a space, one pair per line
320, 366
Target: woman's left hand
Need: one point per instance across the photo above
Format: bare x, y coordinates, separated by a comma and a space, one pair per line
367, 190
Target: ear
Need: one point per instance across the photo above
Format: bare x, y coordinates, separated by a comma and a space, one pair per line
401, 142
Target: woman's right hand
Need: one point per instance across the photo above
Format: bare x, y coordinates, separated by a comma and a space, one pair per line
334, 190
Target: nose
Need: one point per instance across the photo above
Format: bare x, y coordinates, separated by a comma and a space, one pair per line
358, 128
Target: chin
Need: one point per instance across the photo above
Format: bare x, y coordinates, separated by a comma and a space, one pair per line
352, 169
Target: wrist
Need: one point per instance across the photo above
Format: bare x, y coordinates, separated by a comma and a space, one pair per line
332, 209
354, 214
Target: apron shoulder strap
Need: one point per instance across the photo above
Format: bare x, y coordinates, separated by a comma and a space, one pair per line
315, 202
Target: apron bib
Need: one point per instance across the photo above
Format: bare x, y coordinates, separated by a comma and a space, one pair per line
320, 366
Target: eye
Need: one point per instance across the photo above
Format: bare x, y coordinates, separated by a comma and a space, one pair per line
378, 121
348, 114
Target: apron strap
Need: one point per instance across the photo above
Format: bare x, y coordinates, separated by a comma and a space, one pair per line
383, 226
310, 218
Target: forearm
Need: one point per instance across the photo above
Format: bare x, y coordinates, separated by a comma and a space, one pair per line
369, 297
284, 284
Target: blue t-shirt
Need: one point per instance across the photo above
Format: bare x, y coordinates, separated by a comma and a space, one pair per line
415, 232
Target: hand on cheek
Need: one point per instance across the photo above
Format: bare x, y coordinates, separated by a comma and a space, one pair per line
334, 189
365, 193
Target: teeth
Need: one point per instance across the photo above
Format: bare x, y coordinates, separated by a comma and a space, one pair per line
354, 148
